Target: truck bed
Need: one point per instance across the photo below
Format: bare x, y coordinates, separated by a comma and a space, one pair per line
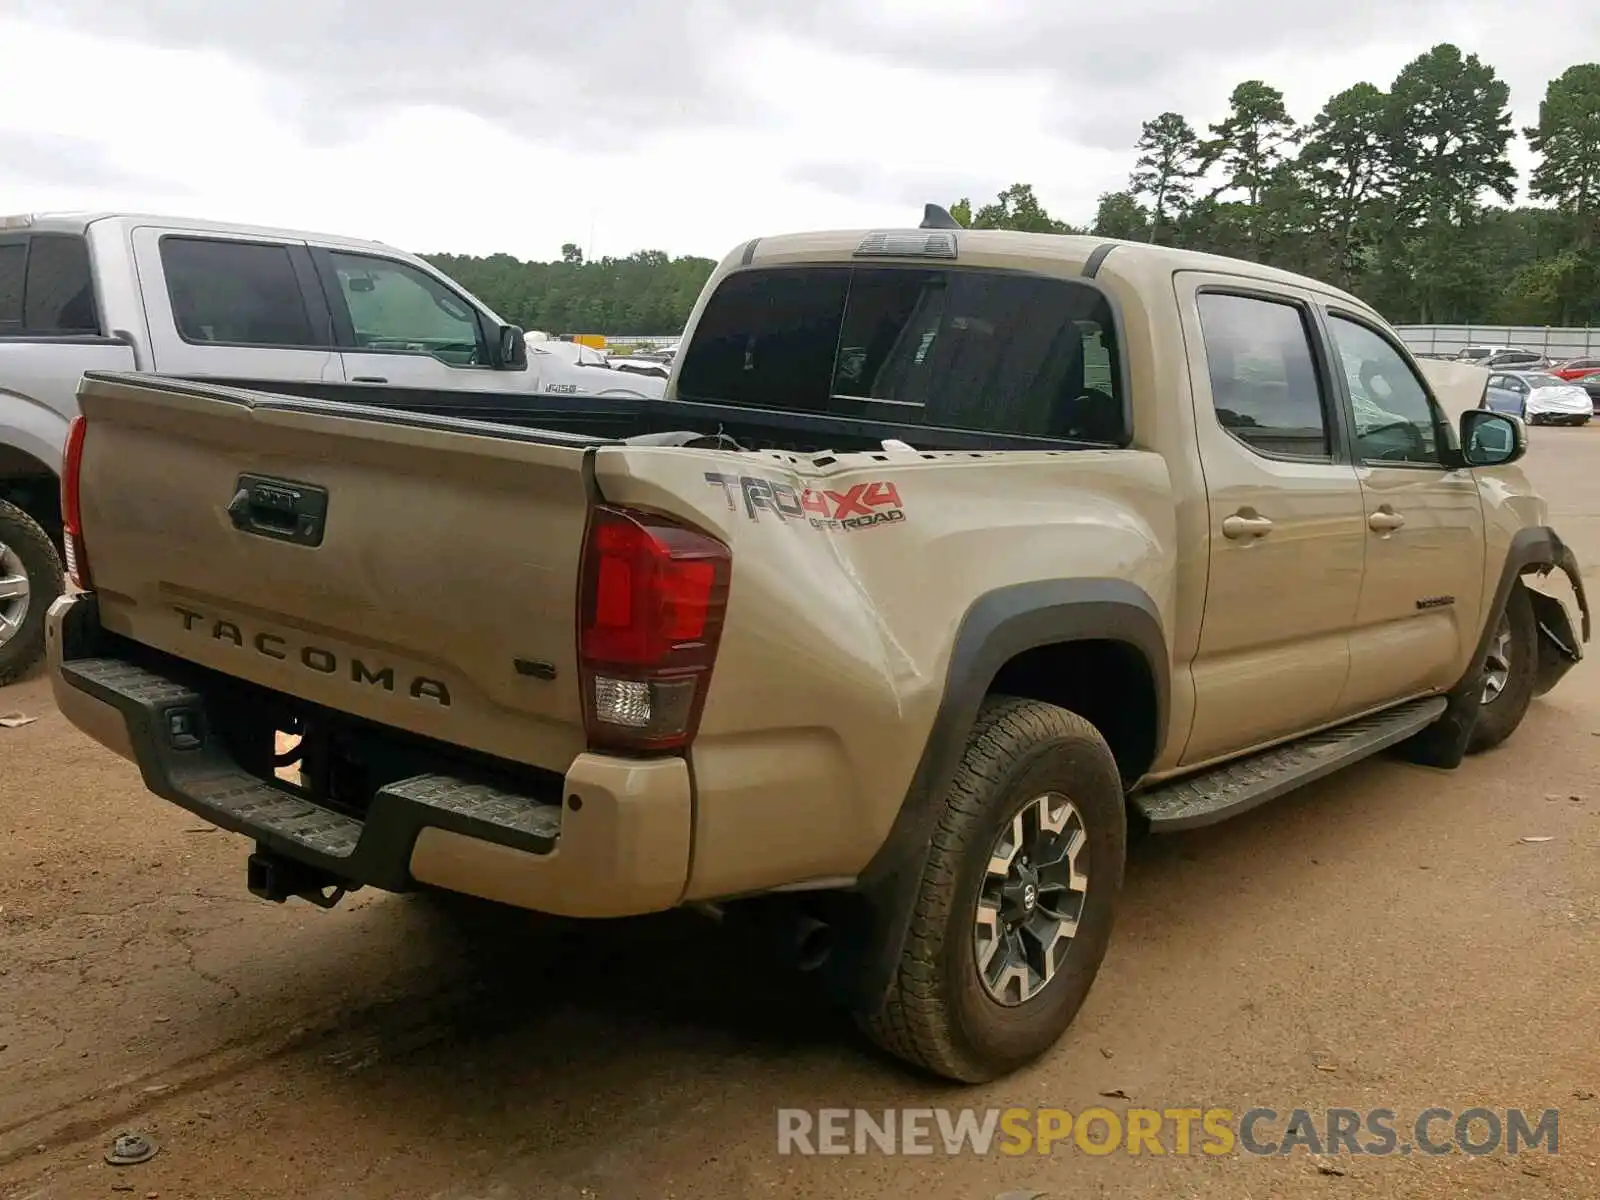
434, 587
619, 417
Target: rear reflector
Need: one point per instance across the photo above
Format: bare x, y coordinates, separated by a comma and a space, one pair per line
650, 612
71, 506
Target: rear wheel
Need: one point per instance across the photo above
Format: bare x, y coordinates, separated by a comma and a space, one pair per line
30, 580
1509, 671
1014, 909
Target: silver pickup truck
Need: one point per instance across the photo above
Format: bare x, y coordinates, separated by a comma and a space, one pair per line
187, 298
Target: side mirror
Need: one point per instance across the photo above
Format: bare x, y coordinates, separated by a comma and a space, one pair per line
511, 350
1492, 439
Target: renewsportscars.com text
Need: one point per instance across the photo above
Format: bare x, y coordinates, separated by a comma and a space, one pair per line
1178, 1131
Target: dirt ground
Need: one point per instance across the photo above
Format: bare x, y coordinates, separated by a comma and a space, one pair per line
1383, 939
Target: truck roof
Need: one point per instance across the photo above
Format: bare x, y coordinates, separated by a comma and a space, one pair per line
79, 222
1055, 253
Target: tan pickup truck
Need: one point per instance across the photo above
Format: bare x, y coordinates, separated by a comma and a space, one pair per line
950, 559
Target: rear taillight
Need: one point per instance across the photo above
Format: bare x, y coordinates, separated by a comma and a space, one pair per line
71, 506
651, 602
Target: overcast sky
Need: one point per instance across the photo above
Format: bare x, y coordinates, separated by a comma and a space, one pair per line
683, 125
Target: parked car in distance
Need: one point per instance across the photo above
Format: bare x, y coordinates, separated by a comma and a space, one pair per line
1574, 369
1539, 398
1504, 358
643, 364
1590, 384
1517, 360
1585, 372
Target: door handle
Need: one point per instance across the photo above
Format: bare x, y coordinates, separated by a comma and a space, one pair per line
1241, 526
368, 379
279, 509
1385, 520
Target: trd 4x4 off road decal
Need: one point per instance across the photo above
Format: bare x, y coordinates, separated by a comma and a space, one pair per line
861, 506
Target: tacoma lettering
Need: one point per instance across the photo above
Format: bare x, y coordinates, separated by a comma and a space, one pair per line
314, 658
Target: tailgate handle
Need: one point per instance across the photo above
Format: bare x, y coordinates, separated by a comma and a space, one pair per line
279, 508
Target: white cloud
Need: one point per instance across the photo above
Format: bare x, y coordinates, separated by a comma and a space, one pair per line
692, 129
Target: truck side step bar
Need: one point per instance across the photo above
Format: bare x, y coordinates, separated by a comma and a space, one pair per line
184, 761
1236, 787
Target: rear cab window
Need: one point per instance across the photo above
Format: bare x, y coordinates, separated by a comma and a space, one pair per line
47, 287
988, 351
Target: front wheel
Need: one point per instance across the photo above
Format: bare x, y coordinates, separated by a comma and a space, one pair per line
1014, 910
30, 580
1509, 671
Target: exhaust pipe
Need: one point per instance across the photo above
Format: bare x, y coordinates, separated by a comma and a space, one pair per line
810, 942
798, 939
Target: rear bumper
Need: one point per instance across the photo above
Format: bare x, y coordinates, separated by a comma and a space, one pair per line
618, 844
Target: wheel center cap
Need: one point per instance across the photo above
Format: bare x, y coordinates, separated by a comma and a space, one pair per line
1030, 896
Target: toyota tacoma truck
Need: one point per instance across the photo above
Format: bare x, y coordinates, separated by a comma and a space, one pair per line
950, 560
181, 297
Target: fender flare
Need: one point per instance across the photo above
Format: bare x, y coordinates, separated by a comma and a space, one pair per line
997, 627
1537, 548
1559, 647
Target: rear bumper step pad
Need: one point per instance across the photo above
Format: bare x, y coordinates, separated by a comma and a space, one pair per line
182, 762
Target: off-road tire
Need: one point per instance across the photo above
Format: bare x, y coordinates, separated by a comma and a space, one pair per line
46, 580
1499, 719
938, 1015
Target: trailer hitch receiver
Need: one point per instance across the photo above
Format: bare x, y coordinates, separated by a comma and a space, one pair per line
277, 878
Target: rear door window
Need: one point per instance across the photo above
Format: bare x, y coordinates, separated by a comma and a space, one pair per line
1265, 387
986, 351
236, 293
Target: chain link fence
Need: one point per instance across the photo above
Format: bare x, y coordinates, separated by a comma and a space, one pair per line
1445, 340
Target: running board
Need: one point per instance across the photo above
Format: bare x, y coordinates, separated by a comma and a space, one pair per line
1239, 786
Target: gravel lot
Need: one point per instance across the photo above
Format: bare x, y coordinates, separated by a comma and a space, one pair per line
1383, 939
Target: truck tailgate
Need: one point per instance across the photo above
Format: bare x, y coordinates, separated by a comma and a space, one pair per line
418, 571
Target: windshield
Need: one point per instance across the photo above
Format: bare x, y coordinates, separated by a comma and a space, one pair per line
999, 352
1543, 381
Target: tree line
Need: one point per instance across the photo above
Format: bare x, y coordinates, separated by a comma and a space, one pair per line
647, 292
1404, 195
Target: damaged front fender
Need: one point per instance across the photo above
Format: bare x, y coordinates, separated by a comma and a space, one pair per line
1560, 646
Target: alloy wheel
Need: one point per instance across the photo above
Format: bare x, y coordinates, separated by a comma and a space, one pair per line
1031, 900
1497, 663
13, 593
